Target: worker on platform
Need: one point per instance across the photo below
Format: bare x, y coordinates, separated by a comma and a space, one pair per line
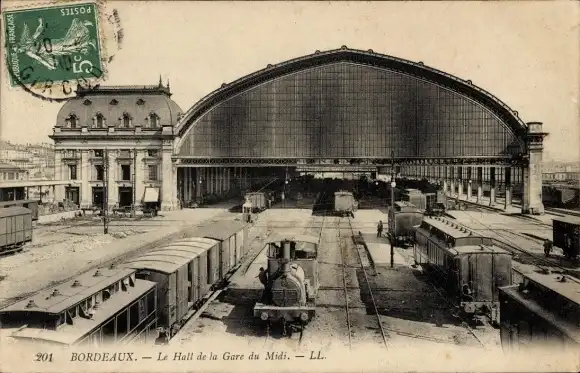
466, 293
547, 247
380, 229
263, 277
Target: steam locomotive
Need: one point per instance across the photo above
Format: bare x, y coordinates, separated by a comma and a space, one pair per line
291, 283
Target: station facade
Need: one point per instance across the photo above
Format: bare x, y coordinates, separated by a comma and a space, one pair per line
342, 109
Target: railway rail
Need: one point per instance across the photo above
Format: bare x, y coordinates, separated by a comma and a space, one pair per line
383, 333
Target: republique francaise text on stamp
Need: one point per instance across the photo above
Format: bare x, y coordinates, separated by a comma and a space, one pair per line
54, 47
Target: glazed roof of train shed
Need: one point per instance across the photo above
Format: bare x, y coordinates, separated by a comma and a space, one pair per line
369, 58
113, 101
293, 237
575, 220
171, 257
59, 298
219, 229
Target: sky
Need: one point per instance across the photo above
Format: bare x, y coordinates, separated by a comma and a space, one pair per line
526, 53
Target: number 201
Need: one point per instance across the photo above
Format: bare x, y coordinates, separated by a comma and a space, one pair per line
44, 357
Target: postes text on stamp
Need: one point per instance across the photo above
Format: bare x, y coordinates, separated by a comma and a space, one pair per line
54, 47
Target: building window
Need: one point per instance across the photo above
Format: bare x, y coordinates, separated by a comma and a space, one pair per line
72, 171
72, 121
152, 168
126, 120
153, 120
125, 172
11, 176
100, 172
152, 153
98, 153
99, 121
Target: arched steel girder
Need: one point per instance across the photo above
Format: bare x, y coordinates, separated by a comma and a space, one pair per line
369, 58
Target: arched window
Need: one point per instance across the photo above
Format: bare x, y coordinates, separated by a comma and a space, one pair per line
126, 120
72, 121
153, 120
99, 121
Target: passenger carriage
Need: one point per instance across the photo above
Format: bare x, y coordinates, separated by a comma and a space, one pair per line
469, 266
106, 305
292, 281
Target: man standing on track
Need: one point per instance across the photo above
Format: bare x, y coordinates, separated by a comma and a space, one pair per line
380, 229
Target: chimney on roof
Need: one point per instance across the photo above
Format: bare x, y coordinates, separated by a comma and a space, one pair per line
55, 293
31, 304
97, 273
77, 283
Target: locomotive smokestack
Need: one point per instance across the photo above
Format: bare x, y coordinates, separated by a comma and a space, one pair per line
286, 253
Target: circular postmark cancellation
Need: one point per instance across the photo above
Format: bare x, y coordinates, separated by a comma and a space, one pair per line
53, 50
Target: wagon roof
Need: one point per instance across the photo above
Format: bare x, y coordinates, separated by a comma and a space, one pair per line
69, 334
449, 227
478, 249
569, 289
171, 257
219, 230
569, 219
69, 295
293, 237
11, 211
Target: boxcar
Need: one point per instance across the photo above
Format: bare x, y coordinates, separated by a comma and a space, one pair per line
402, 218
15, 228
30, 204
566, 233
106, 305
184, 271
543, 310
232, 237
258, 200
344, 203
416, 197
470, 267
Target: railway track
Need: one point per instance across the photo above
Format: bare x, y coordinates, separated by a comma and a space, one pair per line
367, 284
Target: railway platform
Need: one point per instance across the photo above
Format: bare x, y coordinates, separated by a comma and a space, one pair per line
379, 250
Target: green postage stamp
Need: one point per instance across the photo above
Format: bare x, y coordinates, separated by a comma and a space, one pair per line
53, 45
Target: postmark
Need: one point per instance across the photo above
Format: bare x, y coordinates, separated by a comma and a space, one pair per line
52, 50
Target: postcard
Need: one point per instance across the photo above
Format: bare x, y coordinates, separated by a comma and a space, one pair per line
289, 186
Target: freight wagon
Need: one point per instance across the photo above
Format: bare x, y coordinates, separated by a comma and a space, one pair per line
416, 197
15, 228
30, 204
402, 218
566, 234
258, 201
469, 266
344, 203
542, 310
187, 270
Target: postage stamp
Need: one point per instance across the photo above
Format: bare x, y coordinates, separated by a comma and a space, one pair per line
54, 47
